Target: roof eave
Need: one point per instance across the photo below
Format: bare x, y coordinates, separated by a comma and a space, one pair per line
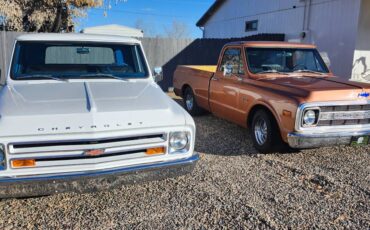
210, 12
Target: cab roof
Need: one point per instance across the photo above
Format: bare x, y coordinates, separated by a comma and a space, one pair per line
75, 37
265, 44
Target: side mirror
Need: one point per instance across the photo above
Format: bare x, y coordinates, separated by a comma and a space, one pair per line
158, 74
227, 70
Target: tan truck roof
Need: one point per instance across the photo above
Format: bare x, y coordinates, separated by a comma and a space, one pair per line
265, 44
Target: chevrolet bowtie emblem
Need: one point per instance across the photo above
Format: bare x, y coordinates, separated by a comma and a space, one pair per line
95, 152
364, 95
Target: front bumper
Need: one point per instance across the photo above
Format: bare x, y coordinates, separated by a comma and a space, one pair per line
306, 141
94, 181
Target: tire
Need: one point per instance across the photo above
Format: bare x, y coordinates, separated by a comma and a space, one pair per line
265, 133
190, 103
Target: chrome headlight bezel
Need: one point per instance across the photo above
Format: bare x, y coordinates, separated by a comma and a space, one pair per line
179, 142
310, 117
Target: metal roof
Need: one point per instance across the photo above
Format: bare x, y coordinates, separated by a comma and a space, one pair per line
210, 12
272, 44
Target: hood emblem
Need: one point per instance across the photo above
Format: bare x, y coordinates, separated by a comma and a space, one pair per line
364, 95
94, 152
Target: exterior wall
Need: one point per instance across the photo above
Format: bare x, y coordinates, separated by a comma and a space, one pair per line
333, 28
330, 24
361, 60
274, 17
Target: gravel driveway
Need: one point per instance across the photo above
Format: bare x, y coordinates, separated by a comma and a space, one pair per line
232, 187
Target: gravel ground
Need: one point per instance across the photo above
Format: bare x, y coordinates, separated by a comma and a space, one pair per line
232, 187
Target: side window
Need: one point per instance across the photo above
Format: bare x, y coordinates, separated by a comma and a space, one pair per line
232, 62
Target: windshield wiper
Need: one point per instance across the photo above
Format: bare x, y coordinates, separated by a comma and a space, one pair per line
105, 75
51, 77
272, 71
308, 71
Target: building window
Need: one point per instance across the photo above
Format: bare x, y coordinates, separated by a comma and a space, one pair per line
251, 26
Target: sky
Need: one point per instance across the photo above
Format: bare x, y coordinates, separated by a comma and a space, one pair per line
153, 15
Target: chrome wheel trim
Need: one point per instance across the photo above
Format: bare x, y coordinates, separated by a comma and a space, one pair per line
189, 101
260, 131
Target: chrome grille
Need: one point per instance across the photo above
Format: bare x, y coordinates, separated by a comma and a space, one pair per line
344, 115
73, 145
76, 152
345, 108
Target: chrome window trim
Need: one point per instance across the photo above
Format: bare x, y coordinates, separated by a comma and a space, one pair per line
321, 129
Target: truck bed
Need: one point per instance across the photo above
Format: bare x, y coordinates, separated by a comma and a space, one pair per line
197, 77
205, 68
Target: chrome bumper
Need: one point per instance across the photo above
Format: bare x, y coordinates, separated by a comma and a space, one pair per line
93, 181
306, 141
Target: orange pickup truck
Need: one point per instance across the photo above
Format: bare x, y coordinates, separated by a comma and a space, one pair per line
283, 92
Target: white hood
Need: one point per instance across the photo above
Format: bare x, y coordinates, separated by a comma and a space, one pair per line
80, 107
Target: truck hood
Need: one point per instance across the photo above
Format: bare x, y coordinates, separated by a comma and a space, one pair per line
315, 88
80, 107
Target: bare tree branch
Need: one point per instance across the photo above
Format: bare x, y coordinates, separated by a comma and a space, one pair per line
177, 30
45, 15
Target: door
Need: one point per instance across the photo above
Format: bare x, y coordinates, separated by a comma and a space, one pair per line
224, 86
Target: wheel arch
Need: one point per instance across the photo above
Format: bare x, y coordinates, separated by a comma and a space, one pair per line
184, 87
278, 143
268, 109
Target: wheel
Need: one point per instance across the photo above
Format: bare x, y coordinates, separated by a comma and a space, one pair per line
190, 103
265, 133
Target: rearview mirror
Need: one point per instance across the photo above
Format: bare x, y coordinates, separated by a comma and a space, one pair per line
158, 74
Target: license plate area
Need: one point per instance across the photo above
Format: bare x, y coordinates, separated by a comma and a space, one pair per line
360, 141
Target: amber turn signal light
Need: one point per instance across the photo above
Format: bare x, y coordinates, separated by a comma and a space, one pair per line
23, 163
154, 151
287, 113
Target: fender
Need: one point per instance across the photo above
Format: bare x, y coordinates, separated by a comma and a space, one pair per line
267, 105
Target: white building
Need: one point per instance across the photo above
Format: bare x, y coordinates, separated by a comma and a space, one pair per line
340, 28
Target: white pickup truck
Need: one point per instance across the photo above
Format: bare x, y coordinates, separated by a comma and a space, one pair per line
83, 113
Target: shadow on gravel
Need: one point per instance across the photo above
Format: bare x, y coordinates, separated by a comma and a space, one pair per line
219, 137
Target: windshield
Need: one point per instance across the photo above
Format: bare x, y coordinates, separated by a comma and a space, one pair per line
284, 60
61, 60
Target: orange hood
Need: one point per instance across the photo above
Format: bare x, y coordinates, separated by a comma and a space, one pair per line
314, 88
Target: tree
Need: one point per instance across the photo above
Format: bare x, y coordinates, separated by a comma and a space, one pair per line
177, 30
148, 28
45, 15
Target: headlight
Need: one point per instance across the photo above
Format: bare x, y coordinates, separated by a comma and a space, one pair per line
179, 142
310, 117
